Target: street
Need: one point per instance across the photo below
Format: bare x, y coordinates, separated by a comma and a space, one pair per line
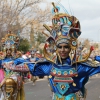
93, 87
41, 90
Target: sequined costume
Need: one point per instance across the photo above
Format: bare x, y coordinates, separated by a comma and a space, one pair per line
33, 58
66, 81
12, 78
67, 77
11, 85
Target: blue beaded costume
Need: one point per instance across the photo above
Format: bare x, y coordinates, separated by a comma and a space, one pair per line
11, 85
67, 79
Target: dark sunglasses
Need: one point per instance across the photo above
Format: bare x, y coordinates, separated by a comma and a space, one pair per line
66, 47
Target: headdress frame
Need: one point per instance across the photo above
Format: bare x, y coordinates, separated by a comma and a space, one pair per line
10, 42
65, 28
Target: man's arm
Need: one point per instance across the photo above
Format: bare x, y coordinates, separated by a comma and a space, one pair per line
89, 68
37, 69
40, 68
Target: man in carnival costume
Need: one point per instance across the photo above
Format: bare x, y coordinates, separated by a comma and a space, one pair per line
67, 75
11, 85
33, 59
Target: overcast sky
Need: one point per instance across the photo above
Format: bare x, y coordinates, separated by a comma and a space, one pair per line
88, 13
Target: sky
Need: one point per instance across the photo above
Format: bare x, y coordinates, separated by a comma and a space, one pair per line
88, 13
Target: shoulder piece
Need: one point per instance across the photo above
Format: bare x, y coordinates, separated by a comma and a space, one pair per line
92, 63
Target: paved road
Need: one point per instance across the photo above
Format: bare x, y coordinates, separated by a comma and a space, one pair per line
41, 90
93, 87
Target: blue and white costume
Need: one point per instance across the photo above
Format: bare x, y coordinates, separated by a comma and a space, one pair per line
67, 78
66, 81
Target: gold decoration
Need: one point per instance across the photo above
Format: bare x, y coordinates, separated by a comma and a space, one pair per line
54, 71
85, 58
72, 98
71, 72
11, 88
49, 56
74, 84
50, 76
63, 86
57, 98
59, 33
54, 84
76, 75
59, 72
65, 73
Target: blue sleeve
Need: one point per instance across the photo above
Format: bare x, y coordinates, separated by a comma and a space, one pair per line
19, 61
88, 70
97, 58
40, 69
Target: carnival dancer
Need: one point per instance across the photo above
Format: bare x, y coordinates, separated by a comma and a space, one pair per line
12, 85
33, 58
67, 75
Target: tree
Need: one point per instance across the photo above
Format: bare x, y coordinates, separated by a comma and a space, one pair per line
24, 45
16, 14
96, 45
87, 43
40, 38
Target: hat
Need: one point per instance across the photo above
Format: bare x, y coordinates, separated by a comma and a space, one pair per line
65, 29
33, 51
9, 42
